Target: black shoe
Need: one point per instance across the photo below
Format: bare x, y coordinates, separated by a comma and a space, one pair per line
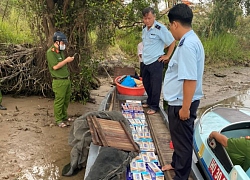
2, 108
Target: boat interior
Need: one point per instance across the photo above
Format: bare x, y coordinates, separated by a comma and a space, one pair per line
240, 129
221, 154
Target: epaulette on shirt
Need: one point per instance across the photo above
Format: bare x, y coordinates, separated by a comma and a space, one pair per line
55, 50
181, 42
157, 26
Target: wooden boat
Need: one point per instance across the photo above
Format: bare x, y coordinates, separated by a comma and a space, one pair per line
212, 157
158, 125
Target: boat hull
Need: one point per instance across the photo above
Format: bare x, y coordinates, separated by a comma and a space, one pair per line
211, 156
159, 126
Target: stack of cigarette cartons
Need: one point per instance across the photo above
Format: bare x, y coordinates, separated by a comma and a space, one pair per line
146, 165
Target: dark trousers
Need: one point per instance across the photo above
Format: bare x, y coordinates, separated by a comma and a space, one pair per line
152, 82
141, 68
182, 137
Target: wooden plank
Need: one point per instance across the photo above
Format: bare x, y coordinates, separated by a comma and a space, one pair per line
95, 138
116, 135
161, 137
112, 133
99, 130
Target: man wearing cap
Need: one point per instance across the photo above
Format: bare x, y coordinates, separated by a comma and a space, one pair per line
61, 83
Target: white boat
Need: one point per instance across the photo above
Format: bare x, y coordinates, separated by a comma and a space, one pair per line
212, 156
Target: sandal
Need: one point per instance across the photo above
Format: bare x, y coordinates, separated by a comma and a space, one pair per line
62, 125
70, 119
151, 111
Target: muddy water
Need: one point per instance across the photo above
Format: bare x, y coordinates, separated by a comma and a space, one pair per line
39, 156
48, 171
243, 99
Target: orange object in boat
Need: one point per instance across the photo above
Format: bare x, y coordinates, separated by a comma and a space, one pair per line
132, 91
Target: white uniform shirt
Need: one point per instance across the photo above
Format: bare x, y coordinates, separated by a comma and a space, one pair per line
187, 63
154, 41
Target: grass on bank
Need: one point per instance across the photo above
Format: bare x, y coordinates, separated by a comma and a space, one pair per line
221, 51
14, 29
224, 50
128, 40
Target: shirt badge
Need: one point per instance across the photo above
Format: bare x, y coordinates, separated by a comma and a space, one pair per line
181, 42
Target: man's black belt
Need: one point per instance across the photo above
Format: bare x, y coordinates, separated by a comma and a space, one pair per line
56, 78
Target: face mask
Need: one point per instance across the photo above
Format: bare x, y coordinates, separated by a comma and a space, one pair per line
62, 47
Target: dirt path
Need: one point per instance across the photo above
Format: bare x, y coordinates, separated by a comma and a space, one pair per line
32, 147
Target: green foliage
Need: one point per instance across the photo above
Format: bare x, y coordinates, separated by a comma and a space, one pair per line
93, 30
92, 26
224, 32
128, 40
223, 50
242, 32
14, 27
223, 16
81, 81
